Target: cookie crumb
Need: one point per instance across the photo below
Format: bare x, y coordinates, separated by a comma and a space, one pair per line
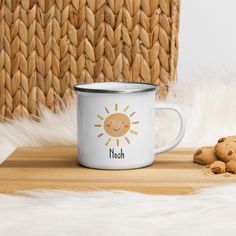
207, 171
208, 166
227, 174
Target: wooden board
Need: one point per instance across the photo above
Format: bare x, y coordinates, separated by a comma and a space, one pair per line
57, 168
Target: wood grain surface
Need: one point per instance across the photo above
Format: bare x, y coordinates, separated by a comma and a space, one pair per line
57, 168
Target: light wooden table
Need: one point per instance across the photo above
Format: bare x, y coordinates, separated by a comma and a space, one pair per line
57, 168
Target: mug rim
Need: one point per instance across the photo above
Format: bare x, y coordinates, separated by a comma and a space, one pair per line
141, 88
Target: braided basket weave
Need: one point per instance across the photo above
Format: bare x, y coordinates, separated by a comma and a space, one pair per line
48, 46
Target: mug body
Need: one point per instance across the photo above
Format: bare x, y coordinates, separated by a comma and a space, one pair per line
115, 130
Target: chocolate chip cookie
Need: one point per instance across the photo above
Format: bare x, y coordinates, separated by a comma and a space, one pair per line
217, 167
225, 149
205, 156
231, 166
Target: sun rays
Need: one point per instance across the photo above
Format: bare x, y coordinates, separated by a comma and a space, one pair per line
100, 117
108, 141
133, 113
107, 111
101, 134
126, 108
117, 125
133, 132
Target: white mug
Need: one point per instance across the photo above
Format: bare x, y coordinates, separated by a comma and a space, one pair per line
116, 125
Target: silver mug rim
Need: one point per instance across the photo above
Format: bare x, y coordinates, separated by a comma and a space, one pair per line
149, 88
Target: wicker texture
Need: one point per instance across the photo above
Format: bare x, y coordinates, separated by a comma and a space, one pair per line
48, 46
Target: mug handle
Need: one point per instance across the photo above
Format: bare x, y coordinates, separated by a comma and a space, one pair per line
176, 141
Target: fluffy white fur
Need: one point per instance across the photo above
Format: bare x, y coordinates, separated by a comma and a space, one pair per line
210, 212
208, 103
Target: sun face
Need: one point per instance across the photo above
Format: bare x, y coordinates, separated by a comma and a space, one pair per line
116, 125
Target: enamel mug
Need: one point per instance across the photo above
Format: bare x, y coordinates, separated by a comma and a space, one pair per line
116, 125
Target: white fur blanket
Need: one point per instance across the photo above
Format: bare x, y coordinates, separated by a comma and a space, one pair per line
210, 212
209, 104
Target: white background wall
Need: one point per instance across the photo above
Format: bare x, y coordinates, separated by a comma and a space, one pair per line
207, 35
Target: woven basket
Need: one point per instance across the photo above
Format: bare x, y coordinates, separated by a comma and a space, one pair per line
47, 46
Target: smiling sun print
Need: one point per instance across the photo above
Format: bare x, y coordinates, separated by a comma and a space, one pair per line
117, 125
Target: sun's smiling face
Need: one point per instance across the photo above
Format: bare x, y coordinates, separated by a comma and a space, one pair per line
117, 124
